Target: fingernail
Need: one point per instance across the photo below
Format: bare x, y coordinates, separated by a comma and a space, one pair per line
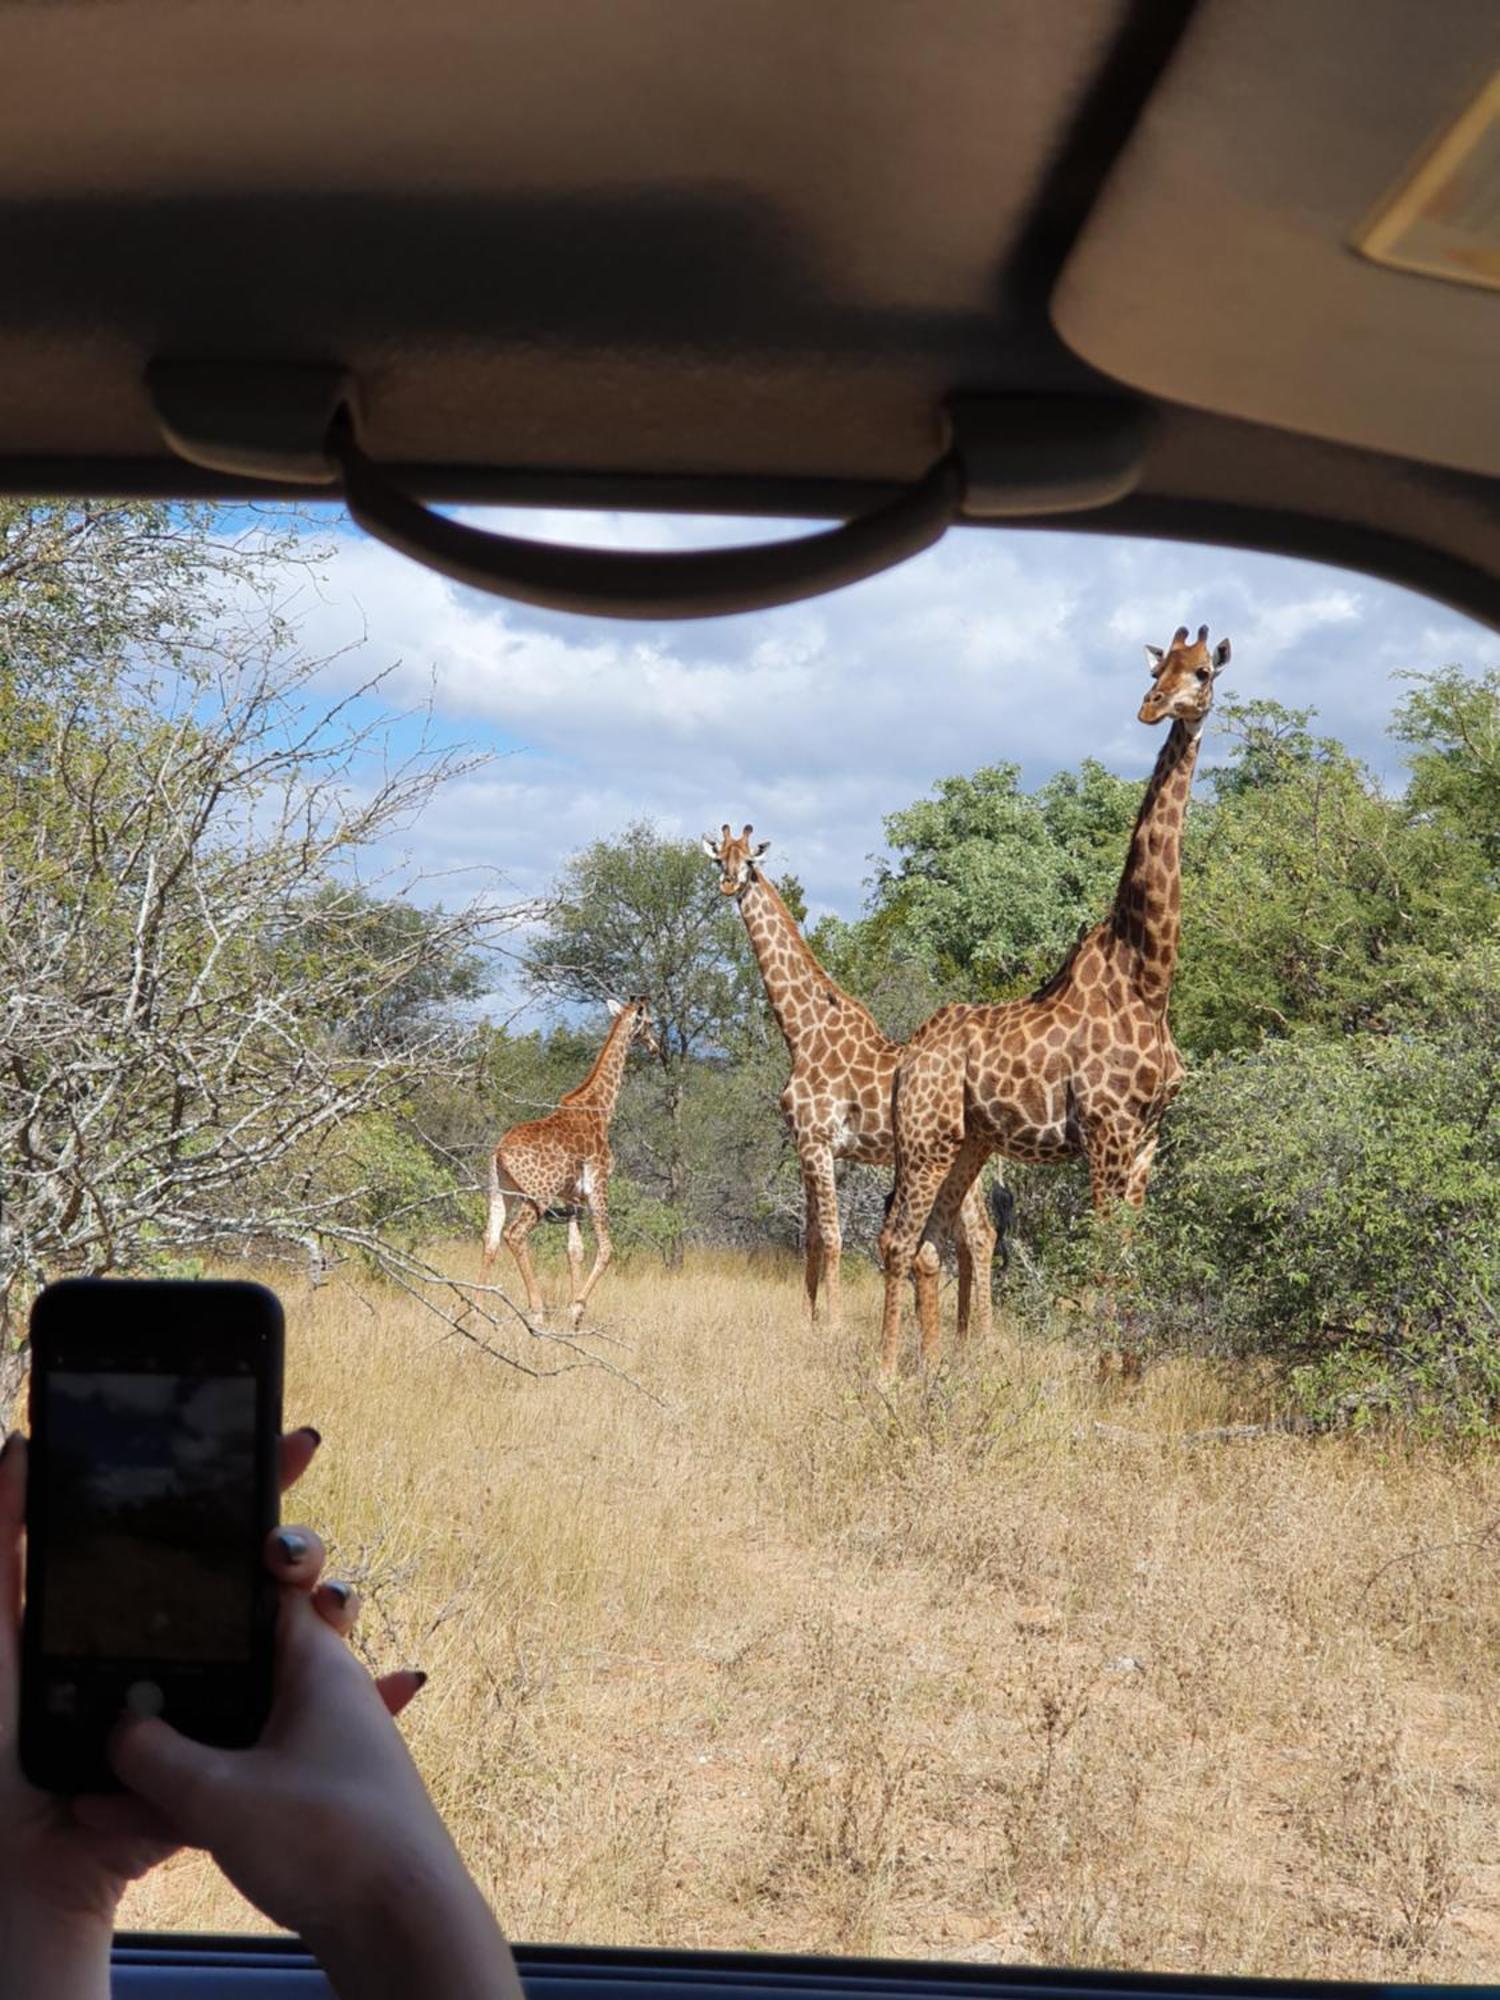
309, 1432
420, 1677
293, 1547
338, 1590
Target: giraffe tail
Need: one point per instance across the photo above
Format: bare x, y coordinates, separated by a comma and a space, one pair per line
1002, 1214
496, 1219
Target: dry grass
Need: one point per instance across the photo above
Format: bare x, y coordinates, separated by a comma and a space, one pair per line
779, 1661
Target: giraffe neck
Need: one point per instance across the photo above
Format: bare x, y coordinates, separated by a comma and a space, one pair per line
802, 995
600, 1089
1146, 917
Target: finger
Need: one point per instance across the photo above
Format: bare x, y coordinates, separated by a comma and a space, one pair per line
122, 1816
295, 1556
169, 1771
397, 1689
12, 1514
12, 1485
296, 1455
337, 1604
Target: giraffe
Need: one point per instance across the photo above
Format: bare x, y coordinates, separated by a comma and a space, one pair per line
563, 1160
1086, 1064
837, 1102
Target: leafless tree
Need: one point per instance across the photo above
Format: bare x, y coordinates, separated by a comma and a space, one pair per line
221, 987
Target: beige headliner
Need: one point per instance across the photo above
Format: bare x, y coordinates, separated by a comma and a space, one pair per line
1219, 267
740, 253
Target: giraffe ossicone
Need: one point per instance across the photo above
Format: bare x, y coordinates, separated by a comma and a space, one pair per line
1087, 1064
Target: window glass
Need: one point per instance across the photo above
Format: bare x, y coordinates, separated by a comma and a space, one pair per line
1153, 1622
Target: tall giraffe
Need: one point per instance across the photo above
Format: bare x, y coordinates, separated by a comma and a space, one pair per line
563, 1160
1087, 1064
837, 1102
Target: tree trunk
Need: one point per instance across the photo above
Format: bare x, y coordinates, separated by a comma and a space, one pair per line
676, 1166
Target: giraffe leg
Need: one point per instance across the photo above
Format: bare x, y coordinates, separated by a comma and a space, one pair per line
1113, 1150
575, 1255
917, 1185
812, 1244
927, 1274
823, 1216
495, 1219
1140, 1173
524, 1217
958, 1186
976, 1253
1119, 1164
603, 1248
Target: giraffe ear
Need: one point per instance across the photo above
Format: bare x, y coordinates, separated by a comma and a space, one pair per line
710, 847
1154, 658
759, 849
615, 1009
1221, 657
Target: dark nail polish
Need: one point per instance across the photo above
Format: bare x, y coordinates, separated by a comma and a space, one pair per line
293, 1547
338, 1589
315, 1435
420, 1677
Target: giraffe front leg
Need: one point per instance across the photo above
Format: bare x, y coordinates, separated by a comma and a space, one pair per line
823, 1218
598, 1201
812, 1244
1140, 1173
1119, 1165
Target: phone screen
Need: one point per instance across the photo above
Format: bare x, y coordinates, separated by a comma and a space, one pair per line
151, 1507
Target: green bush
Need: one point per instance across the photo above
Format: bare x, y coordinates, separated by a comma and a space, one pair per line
1336, 1202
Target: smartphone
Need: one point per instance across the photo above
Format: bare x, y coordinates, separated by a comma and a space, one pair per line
151, 1487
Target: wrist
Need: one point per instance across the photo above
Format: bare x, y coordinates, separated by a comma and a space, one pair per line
417, 1925
52, 1954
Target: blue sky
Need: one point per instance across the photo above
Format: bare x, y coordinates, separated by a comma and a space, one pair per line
815, 721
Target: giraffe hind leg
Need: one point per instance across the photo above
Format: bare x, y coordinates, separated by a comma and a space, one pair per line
598, 1201
524, 1216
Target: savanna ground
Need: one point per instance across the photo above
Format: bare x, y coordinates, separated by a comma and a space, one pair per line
1004, 1667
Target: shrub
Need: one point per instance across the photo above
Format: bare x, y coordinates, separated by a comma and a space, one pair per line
1336, 1203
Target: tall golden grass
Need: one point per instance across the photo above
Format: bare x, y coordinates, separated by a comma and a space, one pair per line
1008, 1665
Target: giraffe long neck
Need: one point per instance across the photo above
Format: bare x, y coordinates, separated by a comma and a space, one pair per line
1146, 918
600, 1089
802, 995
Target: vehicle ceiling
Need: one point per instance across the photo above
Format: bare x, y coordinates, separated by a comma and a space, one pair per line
704, 252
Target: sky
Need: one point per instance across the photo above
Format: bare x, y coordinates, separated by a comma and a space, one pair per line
815, 721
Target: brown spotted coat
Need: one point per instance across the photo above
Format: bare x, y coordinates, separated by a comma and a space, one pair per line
564, 1161
837, 1101
1087, 1065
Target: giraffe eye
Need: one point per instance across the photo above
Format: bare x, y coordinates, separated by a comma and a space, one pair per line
1203, 673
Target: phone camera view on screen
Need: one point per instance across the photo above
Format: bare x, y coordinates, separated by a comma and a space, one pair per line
150, 1509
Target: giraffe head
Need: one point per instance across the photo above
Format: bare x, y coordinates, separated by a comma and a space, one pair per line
1184, 677
736, 858
641, 1028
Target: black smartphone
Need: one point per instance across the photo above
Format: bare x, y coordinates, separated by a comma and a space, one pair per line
151, 1487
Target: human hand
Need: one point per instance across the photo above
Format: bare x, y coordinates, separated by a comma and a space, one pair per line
60, 1875
325, 1825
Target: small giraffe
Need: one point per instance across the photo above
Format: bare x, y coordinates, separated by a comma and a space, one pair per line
837, 1102
563, 1160
1087, 1064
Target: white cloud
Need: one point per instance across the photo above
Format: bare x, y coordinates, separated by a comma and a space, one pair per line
815, 721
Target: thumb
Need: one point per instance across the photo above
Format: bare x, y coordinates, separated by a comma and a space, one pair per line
171, 1772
